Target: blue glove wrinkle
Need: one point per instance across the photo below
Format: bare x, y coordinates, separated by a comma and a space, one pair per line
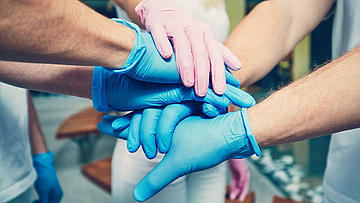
249, 134
98, 90
133, 141
136, 53
148, 125
212, 111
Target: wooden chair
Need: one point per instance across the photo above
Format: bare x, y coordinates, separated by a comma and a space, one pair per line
99, 173
79, 127
277, 199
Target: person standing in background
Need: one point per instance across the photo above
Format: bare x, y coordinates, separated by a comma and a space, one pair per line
127, 169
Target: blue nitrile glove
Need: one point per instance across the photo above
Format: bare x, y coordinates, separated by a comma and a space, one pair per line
153, 128
112, 91
46, 184
146, 64
198, 143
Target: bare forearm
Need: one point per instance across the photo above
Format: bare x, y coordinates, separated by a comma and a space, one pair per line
129, 7
36, 137
65, 32
60, 79
270, 32
324, 102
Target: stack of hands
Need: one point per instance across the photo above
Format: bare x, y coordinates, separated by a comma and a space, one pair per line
174, 108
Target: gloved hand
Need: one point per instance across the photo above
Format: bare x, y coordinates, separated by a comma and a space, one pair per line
112, 91
146, 64
240, 179
197, 51
198, 143
153, 128
46, 184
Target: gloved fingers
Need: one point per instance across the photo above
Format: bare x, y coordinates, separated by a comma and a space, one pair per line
161, 40
229, 58
43, 197
184, 58
216, 63
239, 97
211, 110
201, 61
244, 191
170, 117
148, 125
212, 98
234, 190
133, 141
161, 176
231, 79
105, 127
55, 196
120, 123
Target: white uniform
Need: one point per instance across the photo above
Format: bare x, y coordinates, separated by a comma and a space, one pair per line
17, 174
342, 176
128, 169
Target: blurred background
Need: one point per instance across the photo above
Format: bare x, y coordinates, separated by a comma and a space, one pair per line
289, 170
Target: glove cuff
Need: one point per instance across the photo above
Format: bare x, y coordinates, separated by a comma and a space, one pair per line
137, 51
98, 90
43, 159
248, 131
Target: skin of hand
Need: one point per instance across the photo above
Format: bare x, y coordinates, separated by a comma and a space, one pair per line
153, 128
240, 179
198, 144
197, 51
66, 32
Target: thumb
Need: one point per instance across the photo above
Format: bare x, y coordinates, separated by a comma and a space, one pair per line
234, 190
161, 176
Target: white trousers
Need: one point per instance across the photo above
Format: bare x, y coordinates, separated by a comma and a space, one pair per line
128, 169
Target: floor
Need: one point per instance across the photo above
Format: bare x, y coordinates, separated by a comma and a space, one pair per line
52, 110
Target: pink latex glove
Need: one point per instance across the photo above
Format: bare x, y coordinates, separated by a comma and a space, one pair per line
240, 179
196, 49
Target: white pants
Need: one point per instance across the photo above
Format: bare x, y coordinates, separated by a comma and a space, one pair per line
25, 197
128, 169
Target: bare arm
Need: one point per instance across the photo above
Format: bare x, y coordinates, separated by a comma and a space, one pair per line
129, 7
270, 32
66, 32
36, 137
324, 102
60, 79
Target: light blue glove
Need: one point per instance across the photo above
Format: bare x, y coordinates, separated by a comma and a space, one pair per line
153, 128
112, 91
46, 184
146, 64
198, 144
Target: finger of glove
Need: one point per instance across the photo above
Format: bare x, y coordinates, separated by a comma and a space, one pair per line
105, 127
212, 98
234, 190
148, 124
43, 197
133, 141
244, 191
55, 196
184, 58
170, 117
216, 63
211, 110
229, 58
120, 123
239, 97
161, 40
231, 79
161, 176
201, 61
